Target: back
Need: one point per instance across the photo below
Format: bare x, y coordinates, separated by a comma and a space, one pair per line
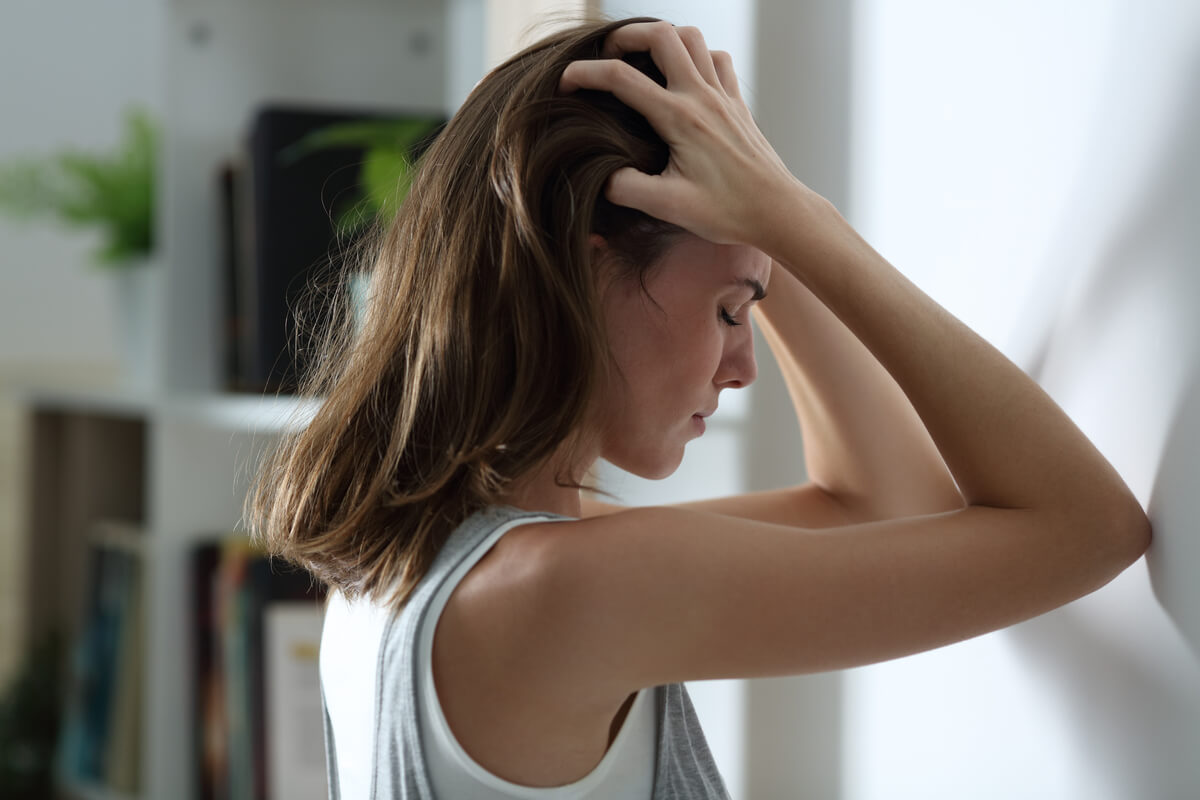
386, 739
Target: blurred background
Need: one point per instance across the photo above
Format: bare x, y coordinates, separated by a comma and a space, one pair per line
1034, 166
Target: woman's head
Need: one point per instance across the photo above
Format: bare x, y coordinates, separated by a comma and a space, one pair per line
483, 349
678, 339
499, 227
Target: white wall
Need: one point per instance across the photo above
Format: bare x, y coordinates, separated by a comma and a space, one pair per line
70, 69
1036, 168
1032, 165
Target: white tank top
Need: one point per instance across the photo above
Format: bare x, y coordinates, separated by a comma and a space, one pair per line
350, 654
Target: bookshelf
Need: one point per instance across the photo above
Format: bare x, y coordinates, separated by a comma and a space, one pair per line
172, 461
145, 474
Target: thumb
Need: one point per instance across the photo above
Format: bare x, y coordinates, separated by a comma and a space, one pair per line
635, 189
664, 197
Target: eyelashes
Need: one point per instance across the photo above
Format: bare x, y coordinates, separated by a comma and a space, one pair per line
728, 319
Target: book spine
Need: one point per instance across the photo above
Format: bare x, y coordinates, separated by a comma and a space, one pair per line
236, 590
100, 744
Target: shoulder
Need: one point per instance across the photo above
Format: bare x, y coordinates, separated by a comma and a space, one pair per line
496, 645
596, 608
576, 606
533, 601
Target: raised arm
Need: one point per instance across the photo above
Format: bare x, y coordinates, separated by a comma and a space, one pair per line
1006, 442
864, 445
652, 596
867, 453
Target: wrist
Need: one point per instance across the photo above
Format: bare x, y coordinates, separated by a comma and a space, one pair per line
798, 227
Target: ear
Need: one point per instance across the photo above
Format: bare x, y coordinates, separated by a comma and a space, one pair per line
600, 251
603, 264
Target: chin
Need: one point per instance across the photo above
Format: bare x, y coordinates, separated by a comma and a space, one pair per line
651, 466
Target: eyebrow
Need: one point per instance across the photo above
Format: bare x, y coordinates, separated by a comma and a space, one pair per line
759, 291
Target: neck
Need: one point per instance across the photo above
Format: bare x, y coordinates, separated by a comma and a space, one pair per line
539, 491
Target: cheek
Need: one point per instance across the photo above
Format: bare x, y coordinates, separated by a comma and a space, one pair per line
639, 344
701, 351
685, 356
666, 354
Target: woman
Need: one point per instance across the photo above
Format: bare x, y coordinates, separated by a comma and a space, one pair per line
572, 277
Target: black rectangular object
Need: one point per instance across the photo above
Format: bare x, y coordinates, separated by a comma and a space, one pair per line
292, 237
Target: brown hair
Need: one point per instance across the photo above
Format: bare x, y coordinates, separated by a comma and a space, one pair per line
482, 348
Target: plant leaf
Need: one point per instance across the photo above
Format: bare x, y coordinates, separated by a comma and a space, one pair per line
114, 192
392, 134
354, 217
386, 176
29, 189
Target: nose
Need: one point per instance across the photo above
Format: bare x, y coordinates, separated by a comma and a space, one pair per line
738, 367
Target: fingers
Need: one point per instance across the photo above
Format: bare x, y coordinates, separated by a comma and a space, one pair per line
693, 40
680, 53
633, 189
628, 84
717, 155
668, 49
723, 64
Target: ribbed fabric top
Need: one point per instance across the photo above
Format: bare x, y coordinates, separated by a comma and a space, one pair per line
382, 734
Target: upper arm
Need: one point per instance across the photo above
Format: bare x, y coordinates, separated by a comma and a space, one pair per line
807, 506
659, 595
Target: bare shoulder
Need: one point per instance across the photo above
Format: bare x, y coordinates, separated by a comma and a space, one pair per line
543, 726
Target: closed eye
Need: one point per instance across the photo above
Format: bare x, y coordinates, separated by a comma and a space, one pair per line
759, 293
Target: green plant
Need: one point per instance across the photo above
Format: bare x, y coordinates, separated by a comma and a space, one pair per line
113, 192
386, 171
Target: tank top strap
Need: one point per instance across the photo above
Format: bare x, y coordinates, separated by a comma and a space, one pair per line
379, 670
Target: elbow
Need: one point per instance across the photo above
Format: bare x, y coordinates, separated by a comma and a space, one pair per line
1102, 541
1128, 531
1140, 533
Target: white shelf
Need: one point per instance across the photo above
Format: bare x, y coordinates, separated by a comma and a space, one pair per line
246, 413
221, 411
81, 400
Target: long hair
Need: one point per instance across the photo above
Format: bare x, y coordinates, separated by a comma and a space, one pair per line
482, 349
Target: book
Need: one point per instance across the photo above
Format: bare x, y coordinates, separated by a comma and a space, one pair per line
235, 591
231, 190
122, 763
280, 209
208, 695
236, 661
100, 743
294, 729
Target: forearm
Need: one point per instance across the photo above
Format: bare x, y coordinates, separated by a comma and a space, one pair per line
1006, 443
863, 442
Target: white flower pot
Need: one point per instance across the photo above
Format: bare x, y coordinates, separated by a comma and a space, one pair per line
137, 305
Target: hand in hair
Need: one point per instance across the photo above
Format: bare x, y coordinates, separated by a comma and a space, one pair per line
722, 173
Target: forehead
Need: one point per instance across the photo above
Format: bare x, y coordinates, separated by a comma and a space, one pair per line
697, 260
